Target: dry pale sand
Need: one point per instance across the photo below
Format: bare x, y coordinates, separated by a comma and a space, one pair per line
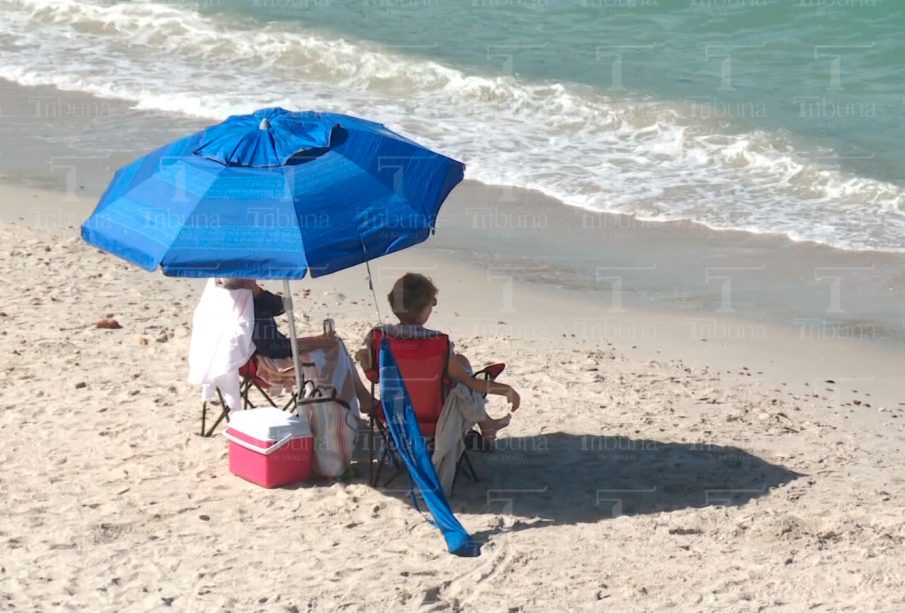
640, 474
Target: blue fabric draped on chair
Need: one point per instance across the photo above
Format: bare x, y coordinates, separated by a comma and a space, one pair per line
406, 433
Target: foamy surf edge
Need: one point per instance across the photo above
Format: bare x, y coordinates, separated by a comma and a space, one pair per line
570, 142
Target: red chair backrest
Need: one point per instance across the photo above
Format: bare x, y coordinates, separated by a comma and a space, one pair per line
422, 362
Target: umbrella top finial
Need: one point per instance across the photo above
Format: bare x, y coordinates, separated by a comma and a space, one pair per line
264, 125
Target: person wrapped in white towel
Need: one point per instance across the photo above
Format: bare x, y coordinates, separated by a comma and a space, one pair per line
276, 347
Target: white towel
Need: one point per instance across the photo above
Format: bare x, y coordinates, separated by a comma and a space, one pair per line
462, 410
221, 341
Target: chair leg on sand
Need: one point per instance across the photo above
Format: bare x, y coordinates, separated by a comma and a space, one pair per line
224, 414
388, 453
463, 466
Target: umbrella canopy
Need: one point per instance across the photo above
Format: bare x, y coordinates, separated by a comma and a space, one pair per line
273, 195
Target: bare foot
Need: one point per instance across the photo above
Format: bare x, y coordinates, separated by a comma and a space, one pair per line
490, 427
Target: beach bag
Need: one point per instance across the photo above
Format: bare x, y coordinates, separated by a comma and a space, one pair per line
333, 426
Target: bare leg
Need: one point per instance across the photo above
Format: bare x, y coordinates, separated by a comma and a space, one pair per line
490, 427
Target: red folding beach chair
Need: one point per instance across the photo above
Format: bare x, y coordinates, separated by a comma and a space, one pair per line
423, 365
250, 379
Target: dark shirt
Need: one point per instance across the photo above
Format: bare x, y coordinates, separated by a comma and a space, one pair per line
268, 340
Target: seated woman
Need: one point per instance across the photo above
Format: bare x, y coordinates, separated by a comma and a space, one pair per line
412, 300
276, 348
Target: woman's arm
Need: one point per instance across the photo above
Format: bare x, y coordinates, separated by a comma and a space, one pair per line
458, 374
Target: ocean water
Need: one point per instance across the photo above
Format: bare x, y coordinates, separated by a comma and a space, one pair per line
779, 116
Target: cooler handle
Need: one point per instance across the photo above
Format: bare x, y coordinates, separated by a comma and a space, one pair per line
261, 450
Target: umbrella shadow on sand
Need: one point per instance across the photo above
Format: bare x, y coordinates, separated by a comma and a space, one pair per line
561, 478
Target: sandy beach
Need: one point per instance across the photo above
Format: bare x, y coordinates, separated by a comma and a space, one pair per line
664, 456
680, 227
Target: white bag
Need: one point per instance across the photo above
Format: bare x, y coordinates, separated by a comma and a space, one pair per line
334, 427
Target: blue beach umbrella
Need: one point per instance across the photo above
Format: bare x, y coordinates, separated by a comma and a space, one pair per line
273, 195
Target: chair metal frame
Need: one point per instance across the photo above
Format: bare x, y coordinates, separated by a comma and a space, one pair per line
250, 381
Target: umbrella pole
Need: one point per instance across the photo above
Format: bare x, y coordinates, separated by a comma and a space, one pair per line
293, 340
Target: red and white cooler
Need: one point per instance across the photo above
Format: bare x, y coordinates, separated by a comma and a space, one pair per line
269, 447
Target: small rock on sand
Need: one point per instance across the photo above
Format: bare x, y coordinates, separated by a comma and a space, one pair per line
108, 324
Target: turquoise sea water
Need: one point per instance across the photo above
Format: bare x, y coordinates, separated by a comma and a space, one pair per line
829, 72
761, 115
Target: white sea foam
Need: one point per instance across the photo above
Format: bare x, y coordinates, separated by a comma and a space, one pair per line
568, 141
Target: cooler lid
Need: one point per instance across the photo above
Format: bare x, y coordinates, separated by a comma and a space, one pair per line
268, 424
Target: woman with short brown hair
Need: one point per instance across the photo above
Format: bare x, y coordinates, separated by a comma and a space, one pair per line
412, 300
